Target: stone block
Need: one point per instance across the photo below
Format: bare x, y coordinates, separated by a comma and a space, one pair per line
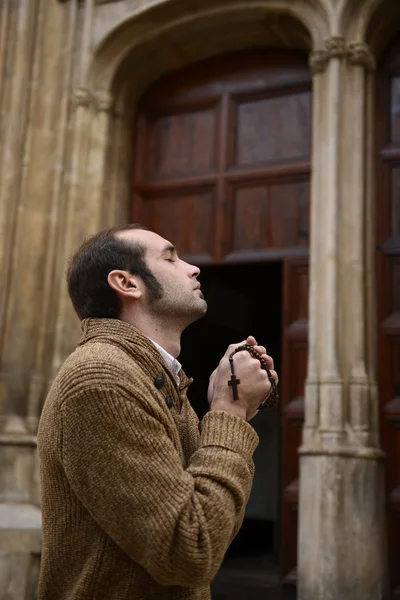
20, 535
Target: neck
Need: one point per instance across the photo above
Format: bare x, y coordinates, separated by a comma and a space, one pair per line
165, 334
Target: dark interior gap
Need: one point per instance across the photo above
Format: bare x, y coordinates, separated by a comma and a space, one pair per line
243, 300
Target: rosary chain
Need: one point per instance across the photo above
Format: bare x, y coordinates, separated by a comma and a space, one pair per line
272, 400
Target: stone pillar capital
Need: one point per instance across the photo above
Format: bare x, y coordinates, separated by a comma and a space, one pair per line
317, 61
82, 97
358, 53
101, 101
335, 47
355, 52
104, 101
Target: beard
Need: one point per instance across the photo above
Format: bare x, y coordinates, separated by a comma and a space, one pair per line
169, 302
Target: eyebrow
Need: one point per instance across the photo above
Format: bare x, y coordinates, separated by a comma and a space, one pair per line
169, 249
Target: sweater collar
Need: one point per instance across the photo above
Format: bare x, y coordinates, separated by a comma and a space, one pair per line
117, 330
112, 328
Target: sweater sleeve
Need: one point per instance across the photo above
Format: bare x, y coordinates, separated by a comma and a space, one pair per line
176, 523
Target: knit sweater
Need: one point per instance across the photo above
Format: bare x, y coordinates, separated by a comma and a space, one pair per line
140, 501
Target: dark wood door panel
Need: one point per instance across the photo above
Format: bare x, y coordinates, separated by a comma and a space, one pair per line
187, 218
272, 129
294, 371
241, 126
173, 148
267, 215
388, 286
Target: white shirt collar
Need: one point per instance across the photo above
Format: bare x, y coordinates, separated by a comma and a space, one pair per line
173, 364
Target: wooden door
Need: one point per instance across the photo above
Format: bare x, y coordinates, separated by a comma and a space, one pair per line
388, 288
222, 169
294, 372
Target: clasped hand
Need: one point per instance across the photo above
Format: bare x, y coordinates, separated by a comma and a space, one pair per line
254, 385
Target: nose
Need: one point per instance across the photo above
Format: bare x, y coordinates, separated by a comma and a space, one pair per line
194, 271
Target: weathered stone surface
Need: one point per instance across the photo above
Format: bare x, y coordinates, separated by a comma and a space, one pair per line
19, 575
17, 466
342, 551
19, 551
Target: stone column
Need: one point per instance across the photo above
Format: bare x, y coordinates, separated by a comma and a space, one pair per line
341, 534
85, 202
18, 34
35, 51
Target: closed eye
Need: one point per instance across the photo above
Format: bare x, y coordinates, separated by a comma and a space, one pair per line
170, 252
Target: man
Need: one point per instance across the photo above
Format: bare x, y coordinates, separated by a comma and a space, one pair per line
139, 500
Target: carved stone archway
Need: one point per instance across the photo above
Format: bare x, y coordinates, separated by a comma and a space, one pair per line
164, 23
146, 45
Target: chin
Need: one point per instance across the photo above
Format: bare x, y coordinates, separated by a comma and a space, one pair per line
203, 305
199, 311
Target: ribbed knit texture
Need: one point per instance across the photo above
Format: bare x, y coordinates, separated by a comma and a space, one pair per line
139, 500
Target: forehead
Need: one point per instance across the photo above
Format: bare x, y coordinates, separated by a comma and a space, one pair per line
153, 242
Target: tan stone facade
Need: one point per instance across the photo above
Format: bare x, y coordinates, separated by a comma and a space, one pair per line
71, 75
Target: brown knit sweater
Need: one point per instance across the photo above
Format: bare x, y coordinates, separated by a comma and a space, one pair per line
139, 500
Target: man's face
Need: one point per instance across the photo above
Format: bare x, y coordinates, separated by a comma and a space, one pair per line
182, 298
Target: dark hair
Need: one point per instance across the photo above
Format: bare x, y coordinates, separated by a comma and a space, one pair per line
88, 270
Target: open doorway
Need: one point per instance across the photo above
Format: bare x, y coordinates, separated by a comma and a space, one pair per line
243, 300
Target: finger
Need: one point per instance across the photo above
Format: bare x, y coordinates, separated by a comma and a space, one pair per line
275, 376
252, 341
260, 349
269, 360
213, 374
232, 348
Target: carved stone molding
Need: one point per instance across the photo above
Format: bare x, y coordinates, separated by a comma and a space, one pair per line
318, 61
356, 53
82, 97
104, 101
335, 47
101, 101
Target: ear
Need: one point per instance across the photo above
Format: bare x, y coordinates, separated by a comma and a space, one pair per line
125, 284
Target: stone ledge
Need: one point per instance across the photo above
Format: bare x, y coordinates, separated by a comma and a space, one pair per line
20, 517
365, 452
18, 440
